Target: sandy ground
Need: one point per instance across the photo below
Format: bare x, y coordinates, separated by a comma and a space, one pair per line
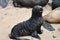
10, 16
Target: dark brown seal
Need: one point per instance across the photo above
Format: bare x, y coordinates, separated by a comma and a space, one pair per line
29, 3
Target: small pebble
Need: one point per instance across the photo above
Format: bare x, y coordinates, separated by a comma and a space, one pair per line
54, 36
5, 14
59, 29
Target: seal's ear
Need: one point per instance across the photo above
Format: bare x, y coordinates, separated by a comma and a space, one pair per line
48, 26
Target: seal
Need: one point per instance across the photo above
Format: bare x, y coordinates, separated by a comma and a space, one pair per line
30, 27
55, 4
29, 3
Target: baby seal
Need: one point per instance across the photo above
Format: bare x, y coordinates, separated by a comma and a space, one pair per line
30, 27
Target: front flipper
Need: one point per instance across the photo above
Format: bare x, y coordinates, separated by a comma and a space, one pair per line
48, 26
35, 35
39, 31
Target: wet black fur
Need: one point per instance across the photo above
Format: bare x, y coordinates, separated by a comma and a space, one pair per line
30, 27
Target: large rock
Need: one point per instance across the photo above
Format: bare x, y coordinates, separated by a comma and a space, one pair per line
53, 16
29, 3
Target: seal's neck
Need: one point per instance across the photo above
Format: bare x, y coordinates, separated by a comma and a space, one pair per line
36, 20
36, 14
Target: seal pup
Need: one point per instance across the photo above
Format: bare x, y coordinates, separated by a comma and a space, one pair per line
28, 27
31, 27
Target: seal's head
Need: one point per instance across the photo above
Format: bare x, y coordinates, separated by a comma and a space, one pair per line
37, 11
